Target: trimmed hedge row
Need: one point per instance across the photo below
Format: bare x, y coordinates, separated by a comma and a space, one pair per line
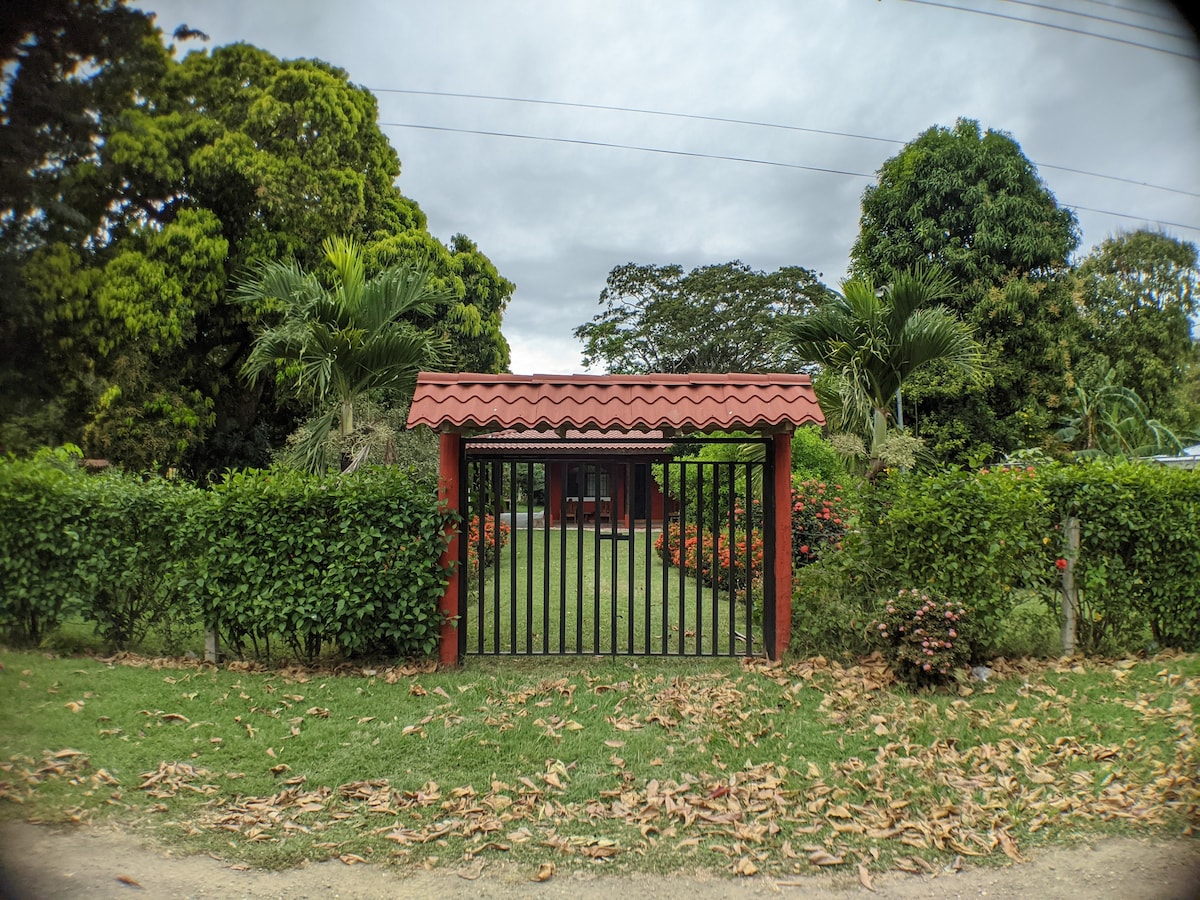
266, 556
978, 537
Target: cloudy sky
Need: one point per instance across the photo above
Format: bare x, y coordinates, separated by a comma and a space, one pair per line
567, 137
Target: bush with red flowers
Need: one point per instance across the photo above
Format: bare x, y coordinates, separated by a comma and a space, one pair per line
493, 539
820, 515
924, 637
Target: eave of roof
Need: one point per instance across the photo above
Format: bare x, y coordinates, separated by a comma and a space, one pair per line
467, 402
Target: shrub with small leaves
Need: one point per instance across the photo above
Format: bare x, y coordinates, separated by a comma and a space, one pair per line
925, 638
820, 516
493, 539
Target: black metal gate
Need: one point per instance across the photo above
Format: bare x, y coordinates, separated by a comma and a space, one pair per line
603, 554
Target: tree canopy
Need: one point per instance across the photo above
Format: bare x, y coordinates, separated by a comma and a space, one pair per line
1138, 296
718, 318
971, 202
127, 225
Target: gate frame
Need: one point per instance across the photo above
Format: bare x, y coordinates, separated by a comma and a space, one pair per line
770, 404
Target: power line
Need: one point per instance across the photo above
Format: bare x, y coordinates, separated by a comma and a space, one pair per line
615, 146
741, 159
753, 123
1103, 37
1069, 12
639, 110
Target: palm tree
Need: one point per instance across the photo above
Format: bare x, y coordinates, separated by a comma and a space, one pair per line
870, 340
332, 345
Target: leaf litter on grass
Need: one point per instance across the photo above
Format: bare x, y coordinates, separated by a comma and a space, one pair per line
896, 780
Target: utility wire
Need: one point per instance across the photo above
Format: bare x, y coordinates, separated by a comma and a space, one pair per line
751, 122
741, 159
1178, 35
1103, 37
608, 144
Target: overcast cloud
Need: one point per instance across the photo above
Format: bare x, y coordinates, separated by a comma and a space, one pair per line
556, 217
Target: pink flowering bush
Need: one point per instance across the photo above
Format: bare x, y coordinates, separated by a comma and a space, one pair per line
924, 637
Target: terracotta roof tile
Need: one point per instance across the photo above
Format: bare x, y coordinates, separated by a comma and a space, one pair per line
699, 402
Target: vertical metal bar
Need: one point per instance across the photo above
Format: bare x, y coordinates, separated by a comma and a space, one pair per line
717, 556
613, 599
596, 559
733, 557
545, 556
666, 568
627, 517
648, 554
481, 475
497, 487
562, 559
682, 552
513, 543
529, 560
752, 522
580, 486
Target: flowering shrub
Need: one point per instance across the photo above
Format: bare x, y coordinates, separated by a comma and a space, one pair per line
819, 517
492, 541
722, 562
923, 637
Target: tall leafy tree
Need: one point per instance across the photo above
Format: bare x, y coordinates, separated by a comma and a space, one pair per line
333, 343
195, 171
1138, 296
870, 341
719, 318
971, 202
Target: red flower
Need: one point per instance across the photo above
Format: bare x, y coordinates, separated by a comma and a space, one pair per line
1061, 563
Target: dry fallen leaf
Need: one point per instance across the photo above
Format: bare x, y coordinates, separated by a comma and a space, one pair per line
129, 880
544, 873
351, 859
864, 878
472, 873
825, 858
745, 867
1009, 846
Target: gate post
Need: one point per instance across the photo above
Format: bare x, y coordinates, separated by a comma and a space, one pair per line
781, 448
450, 498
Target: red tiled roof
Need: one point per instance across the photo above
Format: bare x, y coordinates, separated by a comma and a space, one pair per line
698, 402
572, 441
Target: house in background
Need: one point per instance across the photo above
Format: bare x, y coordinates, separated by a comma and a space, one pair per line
1188, 459
591, 476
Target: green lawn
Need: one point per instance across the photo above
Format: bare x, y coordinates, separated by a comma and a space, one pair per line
600, 591
639, 764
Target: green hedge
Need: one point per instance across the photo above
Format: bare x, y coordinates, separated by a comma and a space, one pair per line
41, 571
1139, 559
972, 537
346, 563
977, 538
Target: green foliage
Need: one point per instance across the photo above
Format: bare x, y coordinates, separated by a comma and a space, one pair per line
971, 538
831, 605
323, 563
813, 457
332, 344
41, 575
869, 342
1139, 293
721, 318
143, 187
136, 547
971, 202
924, 637
1139, 559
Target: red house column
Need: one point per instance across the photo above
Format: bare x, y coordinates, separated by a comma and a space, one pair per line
781, 446
449, 496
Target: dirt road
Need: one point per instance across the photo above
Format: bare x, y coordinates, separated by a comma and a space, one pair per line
97, 863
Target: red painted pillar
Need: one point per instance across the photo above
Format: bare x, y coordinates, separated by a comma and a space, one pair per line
781, 446
449, 496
